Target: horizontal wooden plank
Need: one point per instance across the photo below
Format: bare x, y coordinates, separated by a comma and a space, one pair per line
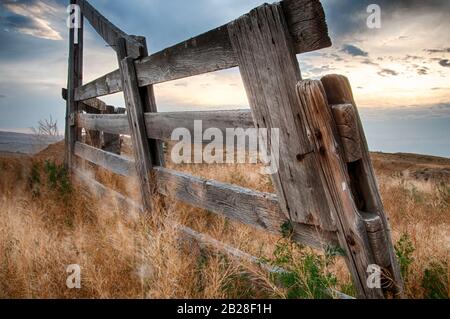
212, 51
108, 123
96, 103
208, 52
108, 31
161, 125
203, 240
260, 210
112, 162
107, 84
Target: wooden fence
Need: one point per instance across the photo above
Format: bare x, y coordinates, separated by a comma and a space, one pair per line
326, 188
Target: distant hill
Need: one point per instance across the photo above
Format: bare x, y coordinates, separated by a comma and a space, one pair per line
11, 142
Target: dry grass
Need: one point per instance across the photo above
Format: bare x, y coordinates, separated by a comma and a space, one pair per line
124, 254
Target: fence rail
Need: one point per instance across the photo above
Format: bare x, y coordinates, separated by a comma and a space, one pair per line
161, 125
325, 185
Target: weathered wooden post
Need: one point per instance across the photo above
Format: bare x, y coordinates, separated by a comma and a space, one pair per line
138, 100
312, 180
75, 79
363, 181
270, 71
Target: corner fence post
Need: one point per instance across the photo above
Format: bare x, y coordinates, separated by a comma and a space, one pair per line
74, 80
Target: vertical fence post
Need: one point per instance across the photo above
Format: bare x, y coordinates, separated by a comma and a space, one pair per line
135, 101
149, 104
270, 71
340, 96
352, 233
75, 79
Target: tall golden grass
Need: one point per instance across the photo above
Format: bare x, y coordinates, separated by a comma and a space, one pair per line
127, 255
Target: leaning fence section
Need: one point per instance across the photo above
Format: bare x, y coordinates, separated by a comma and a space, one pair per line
325, 185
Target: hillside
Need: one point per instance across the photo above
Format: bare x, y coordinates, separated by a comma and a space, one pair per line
46, 224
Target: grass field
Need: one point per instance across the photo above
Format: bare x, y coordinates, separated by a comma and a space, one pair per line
47, 223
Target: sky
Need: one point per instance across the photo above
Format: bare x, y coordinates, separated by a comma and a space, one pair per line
399, 73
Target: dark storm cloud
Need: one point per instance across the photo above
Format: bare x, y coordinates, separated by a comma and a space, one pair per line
2, 96
346, 17
387, 72
445, 63
18, 21
353, 50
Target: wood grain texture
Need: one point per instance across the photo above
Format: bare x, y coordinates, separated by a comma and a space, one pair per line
339, 91
270, 71
161, 125
207, 52
335, 180
307, 25
377, 239
345, 118
112, 162
96, 103
149, 106
260, 210
107, 84
109, 123
108, 31
135, 112
213, 51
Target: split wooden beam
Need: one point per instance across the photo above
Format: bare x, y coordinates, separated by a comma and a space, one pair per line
365, 189
352, 234
75, 80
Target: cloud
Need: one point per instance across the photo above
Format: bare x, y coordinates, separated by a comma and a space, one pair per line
353, 50
369, 62
31, 17
422, 70
445, 50
387, 72
445, 63
2, 96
